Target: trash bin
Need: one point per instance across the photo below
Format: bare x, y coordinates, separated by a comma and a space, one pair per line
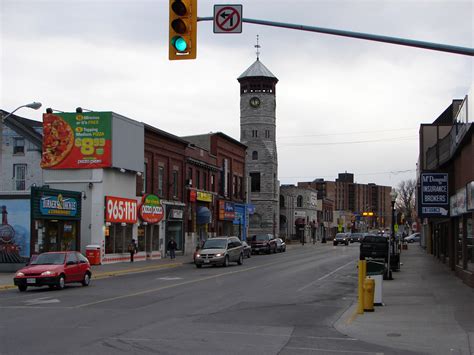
375, 271
369, 285
93, 254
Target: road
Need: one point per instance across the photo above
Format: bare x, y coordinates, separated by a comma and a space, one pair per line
273, 304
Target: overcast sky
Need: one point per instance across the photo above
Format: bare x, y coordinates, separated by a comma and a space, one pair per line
342, 104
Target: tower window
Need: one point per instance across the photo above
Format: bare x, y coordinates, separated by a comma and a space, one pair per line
254, 155
299, 201
267, 133
254, 133
255, 182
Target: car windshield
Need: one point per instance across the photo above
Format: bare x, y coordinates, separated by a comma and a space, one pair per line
215, 244
340, 235
49, 259
261, 237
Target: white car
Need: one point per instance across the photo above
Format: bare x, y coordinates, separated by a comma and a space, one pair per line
412, 238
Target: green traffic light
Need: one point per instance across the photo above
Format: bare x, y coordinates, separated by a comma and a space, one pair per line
179, 43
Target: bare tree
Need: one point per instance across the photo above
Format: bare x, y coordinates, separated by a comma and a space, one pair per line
406, 198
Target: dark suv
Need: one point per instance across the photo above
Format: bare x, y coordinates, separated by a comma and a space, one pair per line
263, 243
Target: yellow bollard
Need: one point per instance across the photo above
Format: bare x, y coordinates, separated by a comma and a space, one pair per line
369, 289
362, 270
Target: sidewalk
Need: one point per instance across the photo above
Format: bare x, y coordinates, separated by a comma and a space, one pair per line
109, 270
426, 309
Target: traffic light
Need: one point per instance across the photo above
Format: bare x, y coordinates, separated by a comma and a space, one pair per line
183, 29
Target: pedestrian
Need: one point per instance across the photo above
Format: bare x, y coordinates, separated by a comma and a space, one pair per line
172, 248
132, 249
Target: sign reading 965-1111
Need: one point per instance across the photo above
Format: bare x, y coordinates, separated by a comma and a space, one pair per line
434, 195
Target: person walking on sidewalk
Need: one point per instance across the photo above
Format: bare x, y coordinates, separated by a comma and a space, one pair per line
172, 248
132, 249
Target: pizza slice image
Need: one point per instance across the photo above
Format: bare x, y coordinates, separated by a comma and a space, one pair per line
58, 140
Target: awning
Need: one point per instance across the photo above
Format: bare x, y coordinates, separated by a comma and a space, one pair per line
300, 221
203, 215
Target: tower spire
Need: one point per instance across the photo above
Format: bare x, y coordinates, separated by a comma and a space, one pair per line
257, 46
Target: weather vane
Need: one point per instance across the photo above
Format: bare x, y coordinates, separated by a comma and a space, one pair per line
257, 46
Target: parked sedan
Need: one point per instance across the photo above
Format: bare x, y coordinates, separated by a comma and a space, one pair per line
54, 269
263, 243
281, 245
247, 249
415, 237
341, 238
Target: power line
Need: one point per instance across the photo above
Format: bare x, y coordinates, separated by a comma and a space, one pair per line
346, 133
394, 172
349, 142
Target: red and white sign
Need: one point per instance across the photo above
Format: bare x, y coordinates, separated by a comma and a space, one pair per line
120, 210
227, 18
151, 210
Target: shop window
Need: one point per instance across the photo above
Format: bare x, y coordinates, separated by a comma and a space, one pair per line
19, 177
198, 179
155, 239
255, 182
470, 243
141, 241
175, 183
18, 145
204, 181
161, 173
213, 183
458, 247
118, 238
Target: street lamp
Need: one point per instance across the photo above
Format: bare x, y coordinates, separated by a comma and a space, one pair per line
33, 105
393, 196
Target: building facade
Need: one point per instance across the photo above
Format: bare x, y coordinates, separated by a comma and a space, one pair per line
258, 133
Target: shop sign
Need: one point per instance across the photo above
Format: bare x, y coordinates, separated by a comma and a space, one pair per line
458, 202
470, 196
251, 208
151, 210
226, 210
192, 195
120, 210
434, 195
77, 140
204, 196
239, 214
300, 214
176, 214
58, 205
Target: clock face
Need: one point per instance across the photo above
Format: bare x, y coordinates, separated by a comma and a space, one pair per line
254, 102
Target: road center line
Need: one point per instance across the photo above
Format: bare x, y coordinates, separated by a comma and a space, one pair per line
144, 292
325, 276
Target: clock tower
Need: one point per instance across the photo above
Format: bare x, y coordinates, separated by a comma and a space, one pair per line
258, 133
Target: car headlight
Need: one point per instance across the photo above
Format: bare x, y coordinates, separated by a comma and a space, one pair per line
218, 255
198, 255
19, 274
48, 273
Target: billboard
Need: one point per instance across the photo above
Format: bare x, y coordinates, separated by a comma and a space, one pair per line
77, 140
15, 230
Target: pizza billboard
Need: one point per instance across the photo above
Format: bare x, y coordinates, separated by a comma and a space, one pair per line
77, 140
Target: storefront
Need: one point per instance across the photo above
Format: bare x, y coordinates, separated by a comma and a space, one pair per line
174, 227
226, 218
203, 212
120, 220
56, 220
151, 213
240, 221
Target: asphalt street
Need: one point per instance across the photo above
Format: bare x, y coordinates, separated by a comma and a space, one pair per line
273, 304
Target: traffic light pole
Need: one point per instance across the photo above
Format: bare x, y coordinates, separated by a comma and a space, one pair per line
360, 35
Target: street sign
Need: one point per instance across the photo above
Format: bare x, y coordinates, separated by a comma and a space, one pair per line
434, 195
227, 18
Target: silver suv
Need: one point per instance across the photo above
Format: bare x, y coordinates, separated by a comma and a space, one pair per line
220, 251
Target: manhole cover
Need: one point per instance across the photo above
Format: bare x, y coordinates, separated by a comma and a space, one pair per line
394, 335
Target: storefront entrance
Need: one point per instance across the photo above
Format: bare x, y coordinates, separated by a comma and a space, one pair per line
59, 236
149, 240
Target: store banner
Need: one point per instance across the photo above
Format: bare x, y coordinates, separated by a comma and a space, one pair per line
77, 140
204, 196
58, 205
226, 210
120, 210
151, 210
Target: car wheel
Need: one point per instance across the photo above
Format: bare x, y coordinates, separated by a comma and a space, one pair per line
22, 288
226, 261
411, 241
61, 282
249, 255
347, 243
274, 250
241, 260
335, 243
86, 280
198, 266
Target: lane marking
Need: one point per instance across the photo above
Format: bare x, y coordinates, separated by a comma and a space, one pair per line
325, 276
169, 278
42, 300
281, 335
333, 351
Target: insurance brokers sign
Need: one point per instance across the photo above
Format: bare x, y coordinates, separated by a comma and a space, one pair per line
434, 195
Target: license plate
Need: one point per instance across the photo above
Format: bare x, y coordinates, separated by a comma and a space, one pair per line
206, 261
30, 281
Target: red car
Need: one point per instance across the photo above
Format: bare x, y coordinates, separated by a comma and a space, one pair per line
54, 269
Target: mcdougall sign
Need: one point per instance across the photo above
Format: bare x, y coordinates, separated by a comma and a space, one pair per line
434, 195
